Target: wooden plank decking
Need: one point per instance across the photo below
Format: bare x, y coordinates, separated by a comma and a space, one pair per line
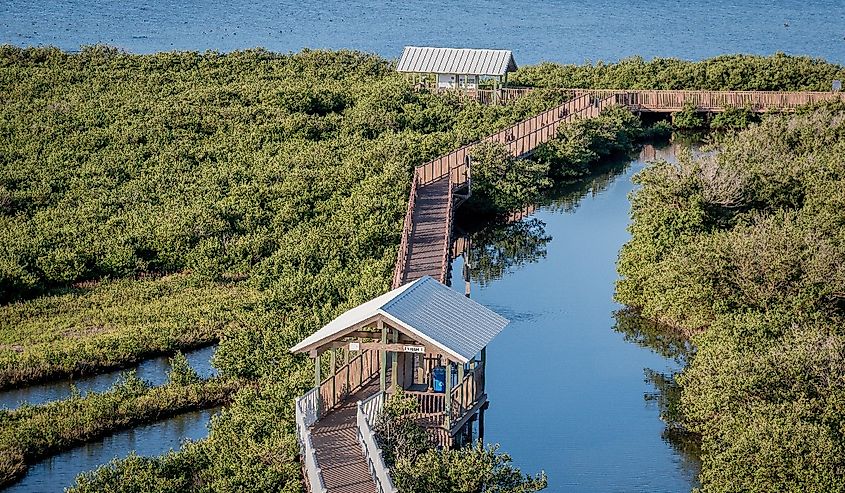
339, 454
427, 234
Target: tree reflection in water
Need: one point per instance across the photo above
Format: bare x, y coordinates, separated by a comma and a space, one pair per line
496, 247
671, 344
493, 251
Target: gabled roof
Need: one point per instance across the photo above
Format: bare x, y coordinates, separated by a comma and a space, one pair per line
463, 61
427, 310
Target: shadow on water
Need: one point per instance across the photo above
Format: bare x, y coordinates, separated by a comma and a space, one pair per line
60, 471
152, 370
572, 392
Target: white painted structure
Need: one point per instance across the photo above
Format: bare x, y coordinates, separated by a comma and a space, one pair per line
457, 68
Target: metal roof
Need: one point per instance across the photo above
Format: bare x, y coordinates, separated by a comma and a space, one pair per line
427, 309
462, 61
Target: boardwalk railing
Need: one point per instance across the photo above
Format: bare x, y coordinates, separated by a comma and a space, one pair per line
306, 416
521, 139
431, 408
407, 227
519, 134
368, 409
450, 215
713, 101
348, 379
467, 393
487, 96
670, 100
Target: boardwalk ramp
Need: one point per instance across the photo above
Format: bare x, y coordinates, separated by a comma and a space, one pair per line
439, 185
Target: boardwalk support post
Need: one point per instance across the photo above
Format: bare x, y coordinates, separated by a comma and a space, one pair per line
394, 361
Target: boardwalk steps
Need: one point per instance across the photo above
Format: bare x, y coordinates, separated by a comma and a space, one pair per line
334, 420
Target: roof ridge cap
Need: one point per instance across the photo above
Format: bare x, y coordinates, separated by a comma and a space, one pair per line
415, 284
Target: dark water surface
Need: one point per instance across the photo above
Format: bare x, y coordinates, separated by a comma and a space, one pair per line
60, 471
568, 393
153, 370
557, 30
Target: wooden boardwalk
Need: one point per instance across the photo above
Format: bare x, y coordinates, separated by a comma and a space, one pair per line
339, 453
333, 456
427, 232
430, 223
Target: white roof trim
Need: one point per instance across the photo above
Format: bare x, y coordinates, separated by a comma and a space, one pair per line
425, 310
351, 317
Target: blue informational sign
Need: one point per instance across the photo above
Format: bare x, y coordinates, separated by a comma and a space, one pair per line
438, 379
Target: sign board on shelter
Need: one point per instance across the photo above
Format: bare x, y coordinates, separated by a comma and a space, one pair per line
354, 346
413, 349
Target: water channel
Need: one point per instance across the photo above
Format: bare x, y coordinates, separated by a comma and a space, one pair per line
568, 393
60, 471
152, 370
571, 392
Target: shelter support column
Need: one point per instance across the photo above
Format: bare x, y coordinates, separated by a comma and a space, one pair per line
483, 368
383, 357
333, 360
448, 396
481, 422
394, 361
317, 381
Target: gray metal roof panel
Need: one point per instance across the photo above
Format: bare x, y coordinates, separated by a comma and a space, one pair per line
463, 61
446, 316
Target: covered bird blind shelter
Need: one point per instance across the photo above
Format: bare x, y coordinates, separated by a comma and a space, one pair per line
423, 338
457, 68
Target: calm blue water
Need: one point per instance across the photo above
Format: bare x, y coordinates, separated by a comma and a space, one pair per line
60, 471
568, 394
557, 30
152, 370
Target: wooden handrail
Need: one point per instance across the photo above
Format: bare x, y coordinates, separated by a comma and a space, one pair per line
671, 100
455, 167
305, 417
348, 379
467, 393
370, 449
407, 227
447, 244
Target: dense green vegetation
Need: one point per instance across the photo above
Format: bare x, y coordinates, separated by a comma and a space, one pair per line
779, 72
502, 183
419, 467
34, 432
274, 184
219, 166
269, 191
114, 324
746, 252
579, 147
